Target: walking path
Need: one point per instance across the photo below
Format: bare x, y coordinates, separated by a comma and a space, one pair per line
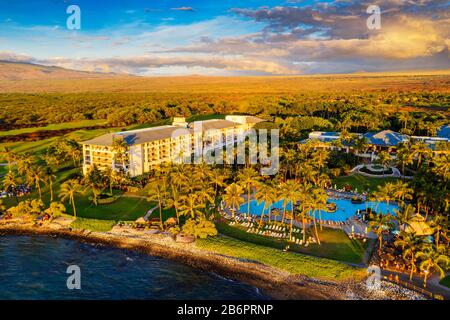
149, 212
433, 286
395, 173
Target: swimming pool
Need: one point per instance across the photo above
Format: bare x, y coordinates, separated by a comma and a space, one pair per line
345, 208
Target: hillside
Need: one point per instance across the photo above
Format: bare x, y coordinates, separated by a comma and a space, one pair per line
39, 79
16, 71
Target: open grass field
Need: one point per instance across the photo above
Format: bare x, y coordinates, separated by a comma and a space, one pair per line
295, 263
39, 146
335, 243
269, 84
54, 127
361, 182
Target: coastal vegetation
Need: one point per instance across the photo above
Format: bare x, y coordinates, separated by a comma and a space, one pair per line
292, 262
42, 177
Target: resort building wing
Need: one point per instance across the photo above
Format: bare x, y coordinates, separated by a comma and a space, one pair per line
385, 139
138, 151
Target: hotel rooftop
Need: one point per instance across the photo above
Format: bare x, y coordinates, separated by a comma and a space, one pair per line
151, 146
139, 136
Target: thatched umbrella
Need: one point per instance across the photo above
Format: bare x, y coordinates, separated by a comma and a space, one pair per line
141, 220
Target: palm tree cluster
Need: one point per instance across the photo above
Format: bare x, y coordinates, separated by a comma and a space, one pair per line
190, 190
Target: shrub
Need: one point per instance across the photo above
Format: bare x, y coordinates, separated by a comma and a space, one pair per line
200, 228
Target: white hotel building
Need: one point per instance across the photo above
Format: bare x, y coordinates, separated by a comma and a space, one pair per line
146, 148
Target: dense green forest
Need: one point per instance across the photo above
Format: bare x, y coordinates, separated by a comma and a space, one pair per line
425, 111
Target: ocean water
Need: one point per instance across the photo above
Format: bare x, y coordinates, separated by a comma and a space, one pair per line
345, 208
35, 267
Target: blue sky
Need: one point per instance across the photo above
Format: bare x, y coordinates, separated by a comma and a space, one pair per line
227, 37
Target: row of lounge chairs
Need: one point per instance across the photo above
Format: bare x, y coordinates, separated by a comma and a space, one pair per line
267, 233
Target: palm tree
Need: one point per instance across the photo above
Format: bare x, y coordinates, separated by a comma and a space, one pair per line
318, 201
384, 158
420, 149
404, 117
432, 258
264, 194
191, 206
282, 194
10, 183
293, 194
439, 224
206, 196
24, 162
379, 224
95, 179
10, 157
404, 215
112, 178
442, 166
404, 156
233, 197
248, 178
157, 193
410, 244
69, 190
49, 176
402, 191
386, 192
35, 175
73, 149
120, 149
218, 179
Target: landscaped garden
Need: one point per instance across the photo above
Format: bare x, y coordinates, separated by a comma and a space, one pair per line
360, 182
290, 261
335, 244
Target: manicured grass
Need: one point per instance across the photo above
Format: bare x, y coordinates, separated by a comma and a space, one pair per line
295, 263
93, 224
3, 170
56, 126
334, 243
445, 281
39, 146
124, 208
361, 182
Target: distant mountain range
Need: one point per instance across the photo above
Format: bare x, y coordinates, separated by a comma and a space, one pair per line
25, 71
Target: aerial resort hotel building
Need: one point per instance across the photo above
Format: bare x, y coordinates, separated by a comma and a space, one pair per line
138, 151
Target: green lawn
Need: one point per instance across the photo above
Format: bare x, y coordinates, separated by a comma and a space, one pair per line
56, 126
124, 208
361, 182
334, 243
295, 263
93, 224
38, 147
445, 281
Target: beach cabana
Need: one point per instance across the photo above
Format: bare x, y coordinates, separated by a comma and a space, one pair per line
419, 226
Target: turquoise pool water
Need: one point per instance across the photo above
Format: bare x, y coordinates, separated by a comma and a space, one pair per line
345, 208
